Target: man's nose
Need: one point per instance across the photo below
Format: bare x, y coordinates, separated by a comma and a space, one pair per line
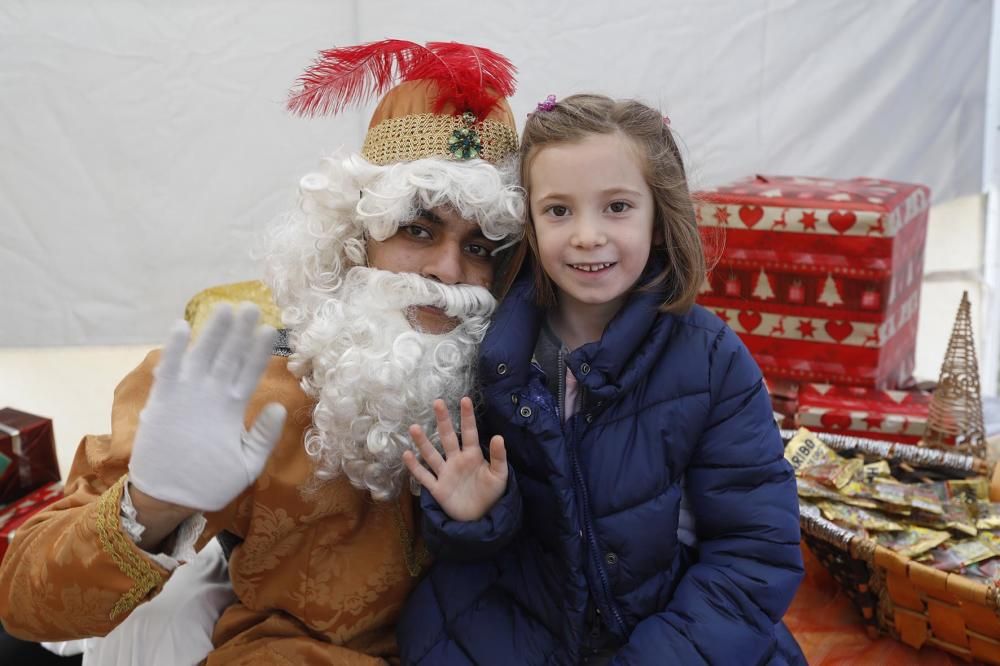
588, 232
444, 263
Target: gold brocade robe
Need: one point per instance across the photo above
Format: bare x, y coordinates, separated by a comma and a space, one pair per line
320, 577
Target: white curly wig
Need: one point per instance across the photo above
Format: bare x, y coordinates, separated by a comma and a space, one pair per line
349, 199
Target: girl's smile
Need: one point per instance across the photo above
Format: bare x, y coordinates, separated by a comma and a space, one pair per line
594, 268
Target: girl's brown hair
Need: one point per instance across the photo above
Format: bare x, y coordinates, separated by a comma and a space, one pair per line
574, 118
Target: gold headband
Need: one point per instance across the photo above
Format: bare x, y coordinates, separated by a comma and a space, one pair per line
456, 137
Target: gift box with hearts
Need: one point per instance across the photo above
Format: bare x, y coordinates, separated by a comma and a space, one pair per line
821, 278
784, 400
896, 416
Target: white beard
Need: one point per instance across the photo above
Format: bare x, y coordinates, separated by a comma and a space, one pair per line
373, 374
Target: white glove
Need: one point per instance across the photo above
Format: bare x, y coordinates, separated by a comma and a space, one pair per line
191, 448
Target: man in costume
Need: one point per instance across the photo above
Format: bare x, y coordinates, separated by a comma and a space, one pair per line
383, 277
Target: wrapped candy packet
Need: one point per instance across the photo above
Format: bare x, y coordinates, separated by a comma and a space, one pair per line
834, 474
887, 495
806, 450
901, 497
987, 571
875, 470
852, 515
813, 459
987, 515
891, 493
939, 490
969, 491
812, 490
991, 539
856, 494
953, 556
913, 541
924, 499
809, 488
953, 516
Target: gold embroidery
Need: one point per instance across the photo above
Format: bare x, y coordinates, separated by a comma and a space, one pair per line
118, 546
421, 135
415, 562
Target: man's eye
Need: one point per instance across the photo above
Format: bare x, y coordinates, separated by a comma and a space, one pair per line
619, 206
480, 251
416, 231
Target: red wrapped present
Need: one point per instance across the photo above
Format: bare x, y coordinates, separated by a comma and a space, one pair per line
12, 516
898, 416
27, 454
821, 278
784, 399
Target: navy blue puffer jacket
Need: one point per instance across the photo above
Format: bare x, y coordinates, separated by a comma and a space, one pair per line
590, 516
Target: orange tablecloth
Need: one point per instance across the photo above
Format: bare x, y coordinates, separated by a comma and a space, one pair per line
829, 629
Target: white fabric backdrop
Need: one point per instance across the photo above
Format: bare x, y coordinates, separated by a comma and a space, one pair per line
143, 145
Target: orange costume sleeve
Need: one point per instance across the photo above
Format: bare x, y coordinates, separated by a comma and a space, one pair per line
72, 571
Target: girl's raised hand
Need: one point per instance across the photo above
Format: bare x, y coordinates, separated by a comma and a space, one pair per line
464, 483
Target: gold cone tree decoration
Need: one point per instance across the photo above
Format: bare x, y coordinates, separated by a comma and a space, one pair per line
956, 410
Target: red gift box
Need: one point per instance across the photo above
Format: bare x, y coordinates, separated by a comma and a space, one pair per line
897, 416
27, 454
784, 399
821, 278
12, 516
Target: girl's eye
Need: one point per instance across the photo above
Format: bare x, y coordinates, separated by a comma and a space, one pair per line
619, 206
558, 211
416, 231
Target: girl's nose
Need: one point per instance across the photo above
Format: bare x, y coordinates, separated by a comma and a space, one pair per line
588, 233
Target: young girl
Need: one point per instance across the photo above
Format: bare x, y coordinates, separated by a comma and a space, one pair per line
649, 516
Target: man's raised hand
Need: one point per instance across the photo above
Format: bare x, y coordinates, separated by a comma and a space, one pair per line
191, 449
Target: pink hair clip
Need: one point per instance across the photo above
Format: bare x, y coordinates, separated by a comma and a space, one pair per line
666, 120
548, 104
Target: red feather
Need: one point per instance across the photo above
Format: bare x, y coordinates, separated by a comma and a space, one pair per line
470, 77
352, 75
478, 79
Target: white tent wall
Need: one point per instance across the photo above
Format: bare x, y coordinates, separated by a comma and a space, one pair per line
953, 263
991, 210
144, 146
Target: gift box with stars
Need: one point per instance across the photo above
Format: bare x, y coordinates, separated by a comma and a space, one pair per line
820, 278
896, 416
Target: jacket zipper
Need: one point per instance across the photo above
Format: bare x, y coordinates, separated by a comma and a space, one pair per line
561, 381
591, 539
582, 494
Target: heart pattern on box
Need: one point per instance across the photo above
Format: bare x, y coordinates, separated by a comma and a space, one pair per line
809, 329
841, 221
839, 330
835, 421
751, 215
749, 320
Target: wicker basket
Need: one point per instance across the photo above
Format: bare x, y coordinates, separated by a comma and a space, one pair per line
912, 602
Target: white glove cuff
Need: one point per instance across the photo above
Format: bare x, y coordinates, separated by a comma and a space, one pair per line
187, 534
